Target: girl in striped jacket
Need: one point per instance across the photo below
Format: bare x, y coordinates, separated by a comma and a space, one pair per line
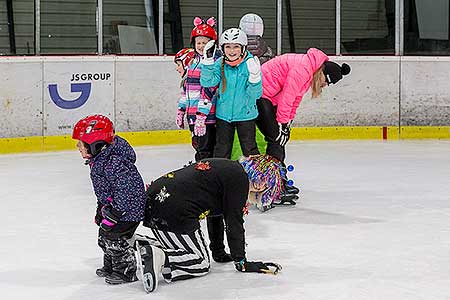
198, 102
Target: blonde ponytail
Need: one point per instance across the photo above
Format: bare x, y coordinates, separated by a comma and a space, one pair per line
316, 84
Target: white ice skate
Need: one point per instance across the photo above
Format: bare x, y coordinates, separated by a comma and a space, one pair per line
150, 263
139, 266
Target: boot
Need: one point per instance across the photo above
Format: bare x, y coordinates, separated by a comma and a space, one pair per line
291, 189
286, 199
107, 267
221, 256
103, 271
117, 278
152, 261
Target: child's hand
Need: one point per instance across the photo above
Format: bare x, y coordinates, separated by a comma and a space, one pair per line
254, 68
200, 127
111, 217
180, 118
257, 267
98, 214
209, 52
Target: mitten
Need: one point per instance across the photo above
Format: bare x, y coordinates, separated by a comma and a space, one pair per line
199, 126
254, 68
98, 214
284, 133
257, 267
180, 118
111, 217
209, 52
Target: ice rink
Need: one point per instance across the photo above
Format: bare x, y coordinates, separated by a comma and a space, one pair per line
373, 222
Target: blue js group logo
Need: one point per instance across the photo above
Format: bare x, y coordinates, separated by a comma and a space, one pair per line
83, 88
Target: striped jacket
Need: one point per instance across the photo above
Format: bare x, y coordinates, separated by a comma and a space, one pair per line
195, 98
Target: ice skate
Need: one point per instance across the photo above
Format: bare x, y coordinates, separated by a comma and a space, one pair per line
150, 263
139, 266
103, 271
116, 278
286, 199
291, 189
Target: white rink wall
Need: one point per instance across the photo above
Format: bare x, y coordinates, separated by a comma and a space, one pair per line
140, 93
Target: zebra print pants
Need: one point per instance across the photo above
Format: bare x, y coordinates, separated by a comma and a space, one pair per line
187, 254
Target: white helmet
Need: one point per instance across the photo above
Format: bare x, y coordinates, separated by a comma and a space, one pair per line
233, 36
252, 24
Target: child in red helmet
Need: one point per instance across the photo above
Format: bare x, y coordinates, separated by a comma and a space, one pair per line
182, 60
120, 194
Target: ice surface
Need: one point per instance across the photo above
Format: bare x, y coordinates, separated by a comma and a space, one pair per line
373, 222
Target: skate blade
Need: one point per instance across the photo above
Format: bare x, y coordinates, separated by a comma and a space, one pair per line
149, 282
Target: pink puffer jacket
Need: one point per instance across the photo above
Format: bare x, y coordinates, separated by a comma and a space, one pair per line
286, 78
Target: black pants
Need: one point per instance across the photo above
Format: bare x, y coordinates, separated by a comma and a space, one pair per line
268, 125
216, 229
118, 255
204, 145
225, 135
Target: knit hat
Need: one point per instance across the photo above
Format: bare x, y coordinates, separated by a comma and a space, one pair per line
334, 72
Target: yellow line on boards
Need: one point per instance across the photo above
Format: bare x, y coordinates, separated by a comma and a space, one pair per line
167, 137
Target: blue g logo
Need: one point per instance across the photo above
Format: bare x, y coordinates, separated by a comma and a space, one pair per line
83, 88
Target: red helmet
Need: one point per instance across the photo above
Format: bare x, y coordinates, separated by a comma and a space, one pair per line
185, 55
204, 28
93, 129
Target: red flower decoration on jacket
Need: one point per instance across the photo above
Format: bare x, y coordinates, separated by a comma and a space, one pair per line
203, 166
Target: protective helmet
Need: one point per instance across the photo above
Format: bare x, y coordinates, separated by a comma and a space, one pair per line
204, 28
96, 131
252, 24
185, 55
233, 35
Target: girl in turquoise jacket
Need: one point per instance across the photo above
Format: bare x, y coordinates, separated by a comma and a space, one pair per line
238, 75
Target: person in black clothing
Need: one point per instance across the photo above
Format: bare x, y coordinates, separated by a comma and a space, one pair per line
178, 201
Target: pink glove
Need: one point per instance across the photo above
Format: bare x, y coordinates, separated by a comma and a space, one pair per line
199, 126
180, 118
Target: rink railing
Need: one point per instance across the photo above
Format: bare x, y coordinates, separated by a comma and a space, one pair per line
42, 97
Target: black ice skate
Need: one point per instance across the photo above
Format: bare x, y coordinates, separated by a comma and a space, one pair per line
291, 189
103, 271
150, 261
117, 278
286, 199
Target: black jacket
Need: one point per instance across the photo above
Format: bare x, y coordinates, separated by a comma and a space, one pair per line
179, 199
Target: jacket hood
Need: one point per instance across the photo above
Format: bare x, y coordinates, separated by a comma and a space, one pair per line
119, 147
316, 58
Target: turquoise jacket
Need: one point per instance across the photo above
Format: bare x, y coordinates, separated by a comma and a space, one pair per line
238, 102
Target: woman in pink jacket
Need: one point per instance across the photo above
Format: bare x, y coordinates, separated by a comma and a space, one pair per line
286, 78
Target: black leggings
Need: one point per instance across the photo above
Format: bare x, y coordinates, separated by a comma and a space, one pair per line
225, 135
268, 125
204, 145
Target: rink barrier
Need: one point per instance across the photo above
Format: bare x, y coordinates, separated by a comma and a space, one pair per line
167, 137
